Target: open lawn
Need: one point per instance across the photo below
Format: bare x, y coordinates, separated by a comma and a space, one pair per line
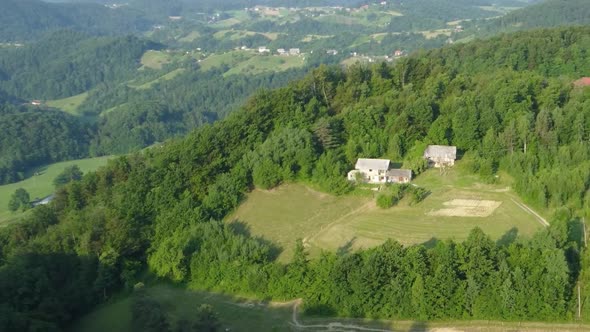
41, 185
229, 58
240, 314
458, 203
70, 104
155, 59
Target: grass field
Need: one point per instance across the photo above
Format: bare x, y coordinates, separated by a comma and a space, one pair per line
236, 314
70, 104
155, 59
240, 314
230, 58
351, 222
190, 37
165, 77
41, 185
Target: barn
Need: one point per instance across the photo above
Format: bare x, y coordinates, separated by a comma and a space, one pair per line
440, 155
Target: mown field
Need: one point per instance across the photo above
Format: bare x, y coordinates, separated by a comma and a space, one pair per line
70, 104
353, 221
241, 314
41, 185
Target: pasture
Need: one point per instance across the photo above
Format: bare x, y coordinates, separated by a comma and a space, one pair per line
261, 64
69, 104
41, 185
155, 59
458, 203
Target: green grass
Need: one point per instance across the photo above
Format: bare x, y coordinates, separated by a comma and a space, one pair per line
241, 314
41, 185
353, 221
260, 64
190, 37
230, 58
165, 77
70, 104
237, 314
155, 59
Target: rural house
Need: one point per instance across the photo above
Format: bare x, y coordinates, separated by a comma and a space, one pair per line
377, 171
440, 155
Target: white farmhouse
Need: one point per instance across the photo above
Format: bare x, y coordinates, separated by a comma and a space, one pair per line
377, 171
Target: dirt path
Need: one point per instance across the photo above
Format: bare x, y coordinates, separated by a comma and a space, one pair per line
528, 210
333, 326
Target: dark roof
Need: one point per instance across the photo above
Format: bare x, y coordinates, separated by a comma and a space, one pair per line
441, 151
406, 173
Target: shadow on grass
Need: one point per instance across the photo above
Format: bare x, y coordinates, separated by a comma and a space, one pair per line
346, 248
431, 243
508, 238
242, 228
419, 326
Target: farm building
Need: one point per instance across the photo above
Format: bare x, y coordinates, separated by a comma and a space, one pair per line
377, 171
440, 155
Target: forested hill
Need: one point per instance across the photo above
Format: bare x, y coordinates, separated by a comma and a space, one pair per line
549, 13
24, 20
508, 103
67, 63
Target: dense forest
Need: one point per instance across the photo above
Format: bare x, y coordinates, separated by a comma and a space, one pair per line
507, 103
33, 137
67, 63
24, 20
549, 13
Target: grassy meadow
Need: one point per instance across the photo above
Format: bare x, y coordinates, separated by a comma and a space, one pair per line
236, 314
41, 185
353, 221
69, 104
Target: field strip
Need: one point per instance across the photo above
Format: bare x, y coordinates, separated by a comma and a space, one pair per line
528, 210
339, 220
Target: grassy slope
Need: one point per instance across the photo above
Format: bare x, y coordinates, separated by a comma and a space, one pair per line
260, 64
239, 314
352, 222
233, 312
70, 104
42, 185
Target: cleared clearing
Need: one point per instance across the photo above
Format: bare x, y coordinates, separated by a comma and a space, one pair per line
41, 185
230, 58
165, 77
155, 59
190, 37
458, 203
70, 104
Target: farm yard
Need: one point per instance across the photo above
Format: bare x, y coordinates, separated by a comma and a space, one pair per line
458, 203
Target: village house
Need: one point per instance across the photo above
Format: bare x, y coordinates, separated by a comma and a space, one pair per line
36, 102
282, 51
294, 51
377, 171
440, 155
263, 49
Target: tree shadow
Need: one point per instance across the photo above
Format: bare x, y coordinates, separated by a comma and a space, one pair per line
419, 326
241, 228
508, 238
431, 243
346, 248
